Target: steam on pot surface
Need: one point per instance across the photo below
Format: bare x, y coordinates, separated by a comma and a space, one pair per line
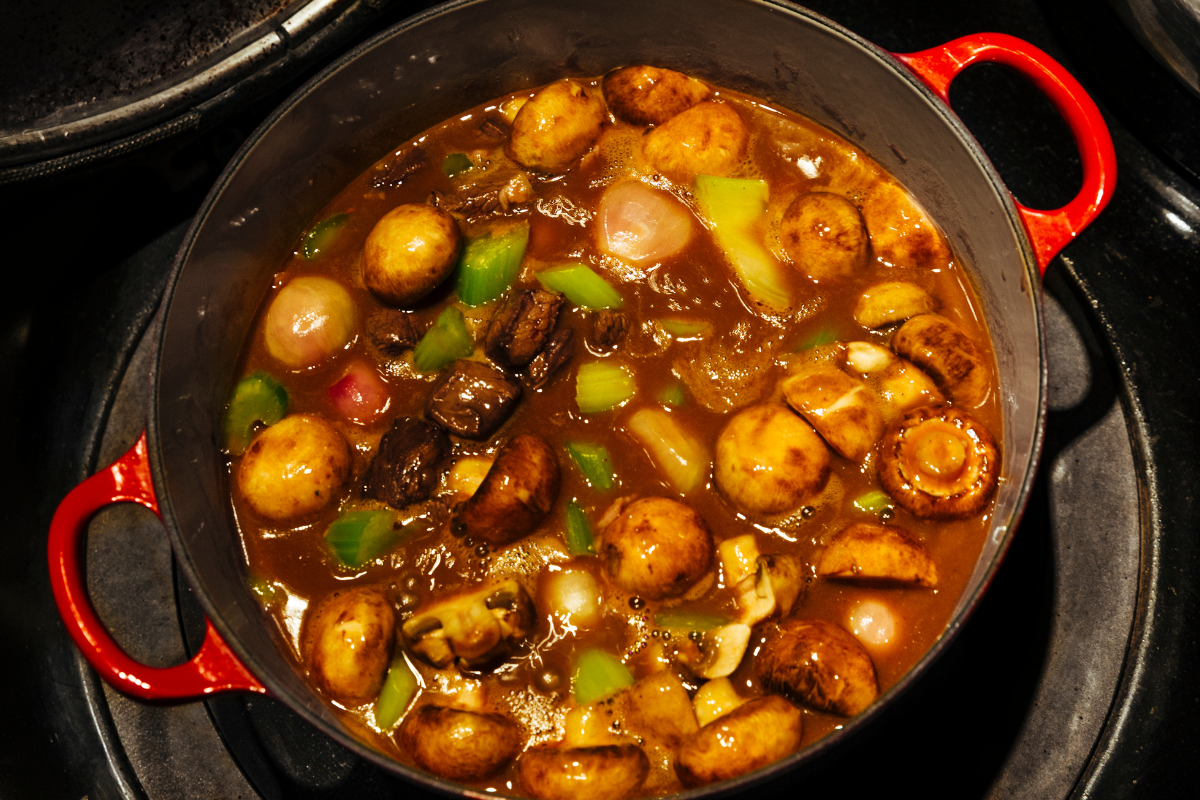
613, 438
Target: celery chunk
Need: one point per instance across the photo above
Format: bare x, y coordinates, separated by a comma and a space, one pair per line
456, 164
322, 236
579, 532
489, 264
582, 286
593, 461
359, 537
447, 341
256, 398
873, 502
399, 689
600, 386
690, 620
598, 675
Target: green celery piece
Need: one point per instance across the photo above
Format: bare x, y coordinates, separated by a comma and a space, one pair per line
444, 343
322, 235
672, 395
690, 620
256, 398
600, 386
399, 688
359, 537
823, 336
489, 264
685, 328
456, 164
873, 502
582, 286
593, 462
579, 532
597, 675
736, 209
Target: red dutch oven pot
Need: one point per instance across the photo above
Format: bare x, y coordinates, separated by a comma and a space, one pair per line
459, 55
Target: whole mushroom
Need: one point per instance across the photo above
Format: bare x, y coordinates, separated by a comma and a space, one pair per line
411, 250
768, 460
819, 664
294, 468
604, 772
349, 642
457, 744
657, 548
753, 735
556, 126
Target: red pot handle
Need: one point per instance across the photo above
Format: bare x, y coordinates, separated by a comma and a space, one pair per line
1049, 231
213, 669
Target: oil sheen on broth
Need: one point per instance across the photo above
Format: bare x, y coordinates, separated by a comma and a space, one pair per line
581, 422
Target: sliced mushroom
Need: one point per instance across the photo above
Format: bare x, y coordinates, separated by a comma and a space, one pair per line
707, 139
771, 589
939, 462
769, 460
739, 557
888, 303
722, 650
475, 628
819, 664
901, 234
657, 548
606, 772
411, 250
349, 642
952, 359
839, 406
556, 126
714, 699
518, 492
753, 735
824, 235
877, 553
457, 744
647, 95
867, 358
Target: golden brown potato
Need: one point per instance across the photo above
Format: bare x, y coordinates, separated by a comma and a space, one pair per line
650, 96
707, 139
459, 745
901, 234
411, 250
606, 772
819, 664
824, 235
769, 460
952, 359
556, 126
349, 642
294, 468
839, 406
515, 496
939, 462
476, 627
658, 706
887, 303
657, 548
883, 553
753, 735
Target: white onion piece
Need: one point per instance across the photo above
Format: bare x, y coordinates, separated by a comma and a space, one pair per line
641, 225
677, 453
874, 624
574, 596
361, 396
309, 320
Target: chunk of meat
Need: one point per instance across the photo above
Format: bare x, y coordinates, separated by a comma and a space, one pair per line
517, 494
393, 174
819, 664
707, 139
608, 328
556, 126
554, 356
753, 735
645, 95
657, 548
406, 467
877, 553
952, 359
474, 400
392, 332
603, 772
839, 406
474, 628
522, 325
824, 235
888, 303
457, 744
349, 640
769, 460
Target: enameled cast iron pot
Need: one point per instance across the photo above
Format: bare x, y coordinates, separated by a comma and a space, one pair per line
457, 56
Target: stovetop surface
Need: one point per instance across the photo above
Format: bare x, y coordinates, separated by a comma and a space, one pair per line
86, 258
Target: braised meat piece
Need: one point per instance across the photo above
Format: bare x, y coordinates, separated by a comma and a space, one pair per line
522, 325
393, 175
494, 128
552, 358
609, 328
406, 467
474, 400
393, 332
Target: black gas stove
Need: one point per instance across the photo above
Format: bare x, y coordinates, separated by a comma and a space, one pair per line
1077, 675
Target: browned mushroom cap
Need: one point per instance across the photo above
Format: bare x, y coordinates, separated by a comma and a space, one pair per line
939, 462
952, 359
901, 234
294, 468
839, 406
656, 548
769, 460
606, 772
824, 235
888, 303
412, 249
349, 642
885, 553
556, 126
457, 744
516, 495
819, 664
650, 96
751, 736
707, 139
475, 627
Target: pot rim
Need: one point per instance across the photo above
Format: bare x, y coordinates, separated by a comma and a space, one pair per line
810, 753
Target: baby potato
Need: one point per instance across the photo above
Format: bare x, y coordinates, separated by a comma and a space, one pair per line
901, 234
294, 468
768, 460
412, 249
350, 638
556, 126
707, 139
657, 548
825, 236
459, 745
605, 772
819, 664
309, 319
647, 95
753, 735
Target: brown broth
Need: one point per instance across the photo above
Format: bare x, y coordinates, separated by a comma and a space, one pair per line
696, 284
